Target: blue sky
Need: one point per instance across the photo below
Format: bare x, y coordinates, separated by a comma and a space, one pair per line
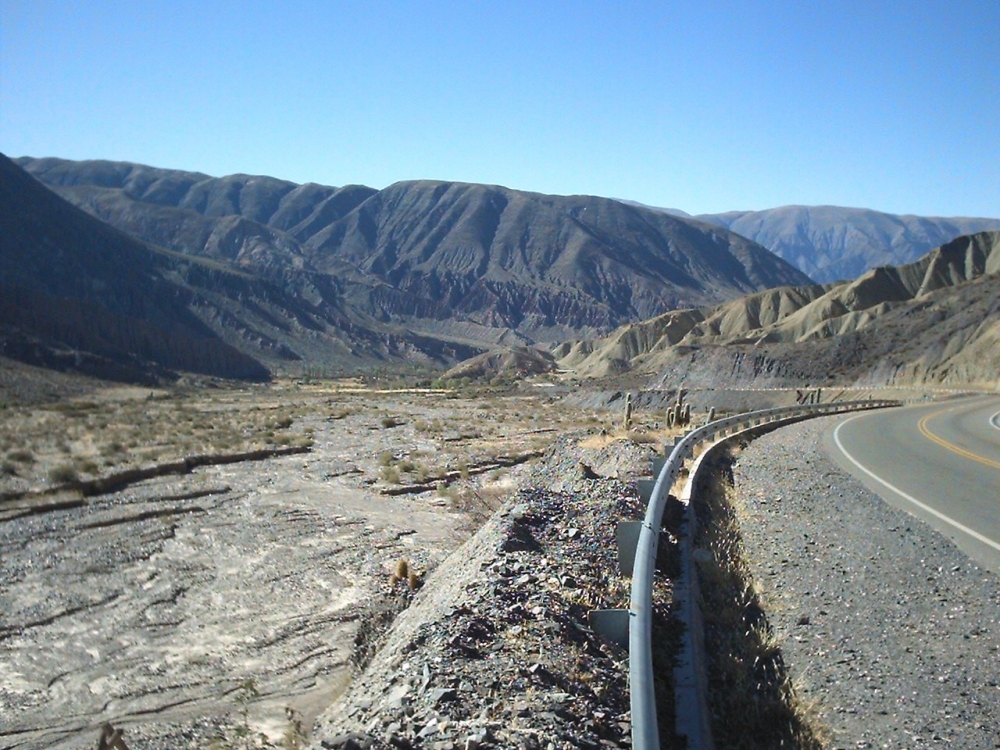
706, 107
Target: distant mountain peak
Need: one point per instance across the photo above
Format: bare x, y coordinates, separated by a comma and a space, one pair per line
830, 243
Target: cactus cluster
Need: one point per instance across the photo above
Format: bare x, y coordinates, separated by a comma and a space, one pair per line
404, 573
679, 414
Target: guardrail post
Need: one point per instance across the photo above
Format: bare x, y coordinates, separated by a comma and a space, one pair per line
627, 537
610, 624
645, 489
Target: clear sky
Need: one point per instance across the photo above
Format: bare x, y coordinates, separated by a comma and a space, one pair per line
703, 106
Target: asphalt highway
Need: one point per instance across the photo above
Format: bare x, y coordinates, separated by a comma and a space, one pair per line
939, 462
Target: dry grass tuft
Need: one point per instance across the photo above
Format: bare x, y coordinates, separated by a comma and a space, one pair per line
63, 473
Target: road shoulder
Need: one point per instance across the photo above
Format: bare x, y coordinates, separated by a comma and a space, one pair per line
883, 622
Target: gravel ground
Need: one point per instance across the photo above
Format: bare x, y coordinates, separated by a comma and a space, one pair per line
884, 624
495, 650
175, 605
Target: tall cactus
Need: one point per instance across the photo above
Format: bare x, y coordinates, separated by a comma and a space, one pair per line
628, 411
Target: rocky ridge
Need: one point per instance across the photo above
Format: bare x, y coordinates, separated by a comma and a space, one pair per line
80, 295
831, 243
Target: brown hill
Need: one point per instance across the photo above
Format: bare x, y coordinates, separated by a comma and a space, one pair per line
80, 295
936, 320
473, 263
511, 364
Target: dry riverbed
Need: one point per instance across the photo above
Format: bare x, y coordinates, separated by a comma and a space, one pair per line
188, 607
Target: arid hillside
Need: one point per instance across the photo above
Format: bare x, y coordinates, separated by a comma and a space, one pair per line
82, 296
476, 264
935, 321
833, 243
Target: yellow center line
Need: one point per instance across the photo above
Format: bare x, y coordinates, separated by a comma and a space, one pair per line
925, 431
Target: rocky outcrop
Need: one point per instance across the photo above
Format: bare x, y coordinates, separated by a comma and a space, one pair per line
495, 650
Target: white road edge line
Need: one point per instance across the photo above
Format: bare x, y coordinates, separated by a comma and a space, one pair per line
952, 522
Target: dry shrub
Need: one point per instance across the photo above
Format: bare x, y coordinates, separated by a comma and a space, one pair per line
390, 474
89, 467
63, 473
642, 437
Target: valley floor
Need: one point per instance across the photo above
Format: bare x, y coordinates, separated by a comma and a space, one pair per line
172, 606
195, 607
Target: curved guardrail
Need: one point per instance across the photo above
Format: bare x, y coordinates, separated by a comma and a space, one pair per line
645, 734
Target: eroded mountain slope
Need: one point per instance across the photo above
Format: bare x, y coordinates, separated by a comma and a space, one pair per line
474, 263
934, 320
79, 294
832, 243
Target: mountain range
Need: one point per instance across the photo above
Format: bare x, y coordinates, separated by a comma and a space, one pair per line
420, 271
431, 254
831, 243
80, 295
134, 272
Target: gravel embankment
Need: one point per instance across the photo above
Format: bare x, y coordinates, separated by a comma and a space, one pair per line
884, 624
494, 650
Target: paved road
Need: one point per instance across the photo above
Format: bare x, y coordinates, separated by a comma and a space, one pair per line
940, 462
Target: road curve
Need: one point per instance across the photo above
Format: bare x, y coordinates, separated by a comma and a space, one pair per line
940, 462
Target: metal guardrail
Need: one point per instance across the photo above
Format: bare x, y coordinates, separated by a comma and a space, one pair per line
645, 734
